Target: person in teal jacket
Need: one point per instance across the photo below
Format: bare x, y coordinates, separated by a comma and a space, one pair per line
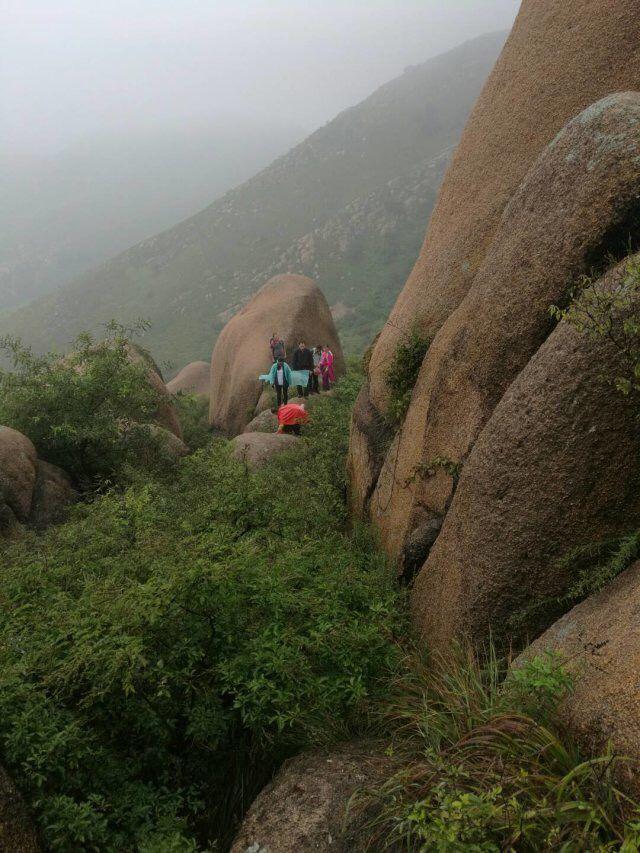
280, 378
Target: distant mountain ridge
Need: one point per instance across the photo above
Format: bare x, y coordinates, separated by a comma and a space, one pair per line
348, 206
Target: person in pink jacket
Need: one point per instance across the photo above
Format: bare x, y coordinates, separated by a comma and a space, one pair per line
326, 368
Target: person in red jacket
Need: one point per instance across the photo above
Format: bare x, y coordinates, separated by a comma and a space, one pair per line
291, 417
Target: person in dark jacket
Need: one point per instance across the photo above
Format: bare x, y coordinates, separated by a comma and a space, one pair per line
303, 360
277, 347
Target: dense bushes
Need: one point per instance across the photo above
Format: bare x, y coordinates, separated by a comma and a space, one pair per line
162, 651
83, 412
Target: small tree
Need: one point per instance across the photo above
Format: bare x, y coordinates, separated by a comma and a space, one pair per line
84, 411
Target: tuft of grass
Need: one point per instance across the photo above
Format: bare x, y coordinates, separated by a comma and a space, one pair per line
484, 765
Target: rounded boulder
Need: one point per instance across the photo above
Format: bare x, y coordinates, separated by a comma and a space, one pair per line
255, 449
295, 308
194, 378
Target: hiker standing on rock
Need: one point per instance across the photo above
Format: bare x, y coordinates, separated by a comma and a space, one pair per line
303, 360
280, 378
277, 347
326, 368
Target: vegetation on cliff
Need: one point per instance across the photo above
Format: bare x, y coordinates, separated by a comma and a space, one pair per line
166, 648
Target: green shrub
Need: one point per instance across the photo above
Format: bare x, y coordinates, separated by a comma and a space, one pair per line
484, 767
193, 413
612, 312
83, 412
166, 648
402, 374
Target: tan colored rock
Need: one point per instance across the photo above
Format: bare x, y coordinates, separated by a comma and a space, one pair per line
368, 441
599, 644
556, 467
559, 58
291, 305
578, 203
255, 449
305, 807
53, 493
266, 421
195, 378
17, 833
18, 467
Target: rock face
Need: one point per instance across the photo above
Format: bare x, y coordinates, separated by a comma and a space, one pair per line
295, 308
558, 59
557, 466
257, 448
304, 808
599, 642
17, 834
195, 378
578, 203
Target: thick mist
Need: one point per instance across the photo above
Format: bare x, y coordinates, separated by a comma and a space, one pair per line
72, 68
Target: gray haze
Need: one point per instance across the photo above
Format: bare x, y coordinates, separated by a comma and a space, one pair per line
76, 68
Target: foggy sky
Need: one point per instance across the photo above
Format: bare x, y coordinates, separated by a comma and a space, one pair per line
73, 68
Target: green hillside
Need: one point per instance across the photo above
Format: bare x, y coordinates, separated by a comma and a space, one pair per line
349, 206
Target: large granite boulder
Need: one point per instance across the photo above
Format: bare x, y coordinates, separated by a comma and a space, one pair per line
305, 807
599, 643
558, 59
18, 472
295, 308
255, 449
579, 203
194, 378
17, 833
556, 467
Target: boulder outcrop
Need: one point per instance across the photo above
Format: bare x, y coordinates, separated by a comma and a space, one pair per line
194, 378
305, 806
579, 203
599, 643
558, 59
556, 467
32, 492
255, 449
17, 834
18, 472
295, 308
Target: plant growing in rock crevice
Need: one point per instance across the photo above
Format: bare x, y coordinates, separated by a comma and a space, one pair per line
402, 374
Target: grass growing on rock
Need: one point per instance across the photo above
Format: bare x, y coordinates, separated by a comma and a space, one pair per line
166, 648
485, 766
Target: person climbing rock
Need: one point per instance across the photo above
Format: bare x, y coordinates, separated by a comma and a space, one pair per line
280, 377
315, 376
326, 368
303, 360
277, 347
291, 418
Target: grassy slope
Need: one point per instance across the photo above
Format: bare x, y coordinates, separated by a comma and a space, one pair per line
368, 178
